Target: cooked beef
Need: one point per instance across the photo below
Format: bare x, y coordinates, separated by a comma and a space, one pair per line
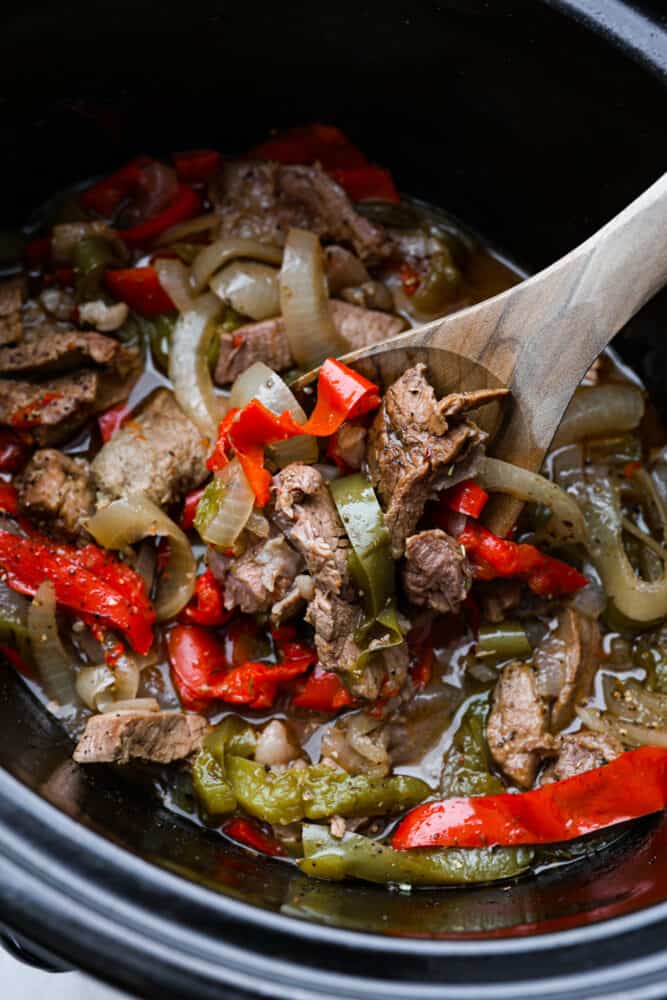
267, 341
437, 573
12, 294
300, 593
343, 269
57, 351
56, 491
414, 446
497, 597
118, 737
358, 743
304, 511
566, 662
517, 729
158, 452
263, 575
52, 410
260, 200
350, 445
581, 752
336, 623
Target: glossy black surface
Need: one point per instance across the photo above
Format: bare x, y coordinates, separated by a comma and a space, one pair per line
533, 129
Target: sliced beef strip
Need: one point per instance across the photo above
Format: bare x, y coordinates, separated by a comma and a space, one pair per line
57, 491
258, 199
336, 623
582, 751
436, 573
302, 508
295, 600
267, 340
343, 269
497, 597
12, 295
52, 410
566, 661
414, 444
158, 452
57, 351
261, 576
517, 728
161, 737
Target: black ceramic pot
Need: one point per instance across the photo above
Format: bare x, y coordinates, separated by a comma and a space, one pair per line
535, 122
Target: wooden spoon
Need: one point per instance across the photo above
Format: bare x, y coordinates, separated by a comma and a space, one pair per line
540, 337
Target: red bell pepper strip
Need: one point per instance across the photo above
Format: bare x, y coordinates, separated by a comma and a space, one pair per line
341, 395
248, 832
16, 661
190, 505
13, 451
206, 606
87, 580
367, 183
140, 288
9, 500
323, 692
105, 196
184, 205
493, 557
466, 498
197, 661
256, 684
325, 144
632, 785
112, 419
196, 165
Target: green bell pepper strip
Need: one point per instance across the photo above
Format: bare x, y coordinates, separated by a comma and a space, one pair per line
14, 621
506, 641
91, 257
209, 768
371, 564
466, 769
317, 792
359, 857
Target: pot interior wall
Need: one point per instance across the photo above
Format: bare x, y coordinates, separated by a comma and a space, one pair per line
521, 122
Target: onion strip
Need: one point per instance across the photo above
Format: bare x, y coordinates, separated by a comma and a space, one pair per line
173, 276
600, 411
178, 233
225, 507
52, 661
567, 521
629, 733
249, 288
125, 522
215, 256
189, 365
304, 302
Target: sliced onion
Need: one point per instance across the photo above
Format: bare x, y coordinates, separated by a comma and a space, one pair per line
93, 683
599, 411
175, 280
133, 705
249, 288
641, 601
52, 661
235, 501
260, 382
215, 256
567, 521
179, 232
304, 302
258, 525
189, 365
125, 522
629, 733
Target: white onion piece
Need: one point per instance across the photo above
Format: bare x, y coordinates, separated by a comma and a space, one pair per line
174, 278
126, 521
249, 288
599, 411
260, 382
236, 501
189, 368
93, 683
215, 256
567, 521
304, 302
52, 661
133, 705
258, 525
179, 232
629, 733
